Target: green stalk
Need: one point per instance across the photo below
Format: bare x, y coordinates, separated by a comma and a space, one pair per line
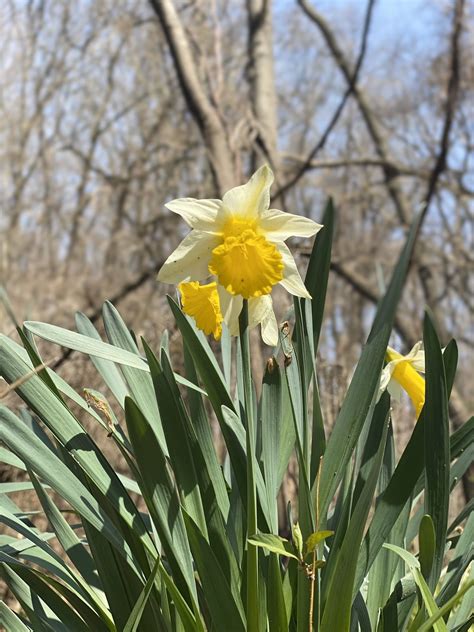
252, 551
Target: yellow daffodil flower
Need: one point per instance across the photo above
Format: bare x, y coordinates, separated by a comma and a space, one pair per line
403, 373
202, 303
240, 241
210, 305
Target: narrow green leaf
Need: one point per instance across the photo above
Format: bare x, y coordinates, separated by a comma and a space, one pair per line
92, 347
436, 439
446, 608
423, 587
386, 570
224, 604
341, 590
138, 609
403, 482
107, 369
39, 614
202, 428
271, 405
462, 557
160, 495
317, 273
53, 471
11, 621
63, 610
427, 541
99, 621
364, 382
178, 434
85, 344
277, 615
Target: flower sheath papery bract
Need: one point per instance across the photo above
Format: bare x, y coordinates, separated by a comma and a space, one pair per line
240, 240
210, 305
403, 373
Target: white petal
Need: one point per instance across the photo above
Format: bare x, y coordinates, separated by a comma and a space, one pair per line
292, 281
416, 357
253, 198
231, 306
259, 309
270, 329
395, 390
200, 214
385, 378
278, 225
190, 260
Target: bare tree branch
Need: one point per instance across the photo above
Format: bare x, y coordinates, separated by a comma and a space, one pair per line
355, 90
207, 119
351, 77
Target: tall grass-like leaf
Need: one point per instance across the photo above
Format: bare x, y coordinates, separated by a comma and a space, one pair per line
139, 382
386, 569
427, 540
204, 438
107, 369
224, 604
428, 599
62, 609
447, 607
218, 394
271, 405
11, 621
83, 452
69, 541
40, 615
177, 433
317, 274
161, 497
91, 346
277, 613
463, 555
364, 382
53, 471
340, 592
102, 623
436, 436
401, 485
138, 609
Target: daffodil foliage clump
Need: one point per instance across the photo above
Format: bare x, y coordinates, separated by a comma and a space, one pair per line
187, 542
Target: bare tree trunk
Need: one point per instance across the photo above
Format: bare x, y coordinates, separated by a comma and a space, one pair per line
262, 77
203, 111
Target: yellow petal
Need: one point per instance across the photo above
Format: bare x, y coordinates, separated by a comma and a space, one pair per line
248, 265
202, 303
411, 382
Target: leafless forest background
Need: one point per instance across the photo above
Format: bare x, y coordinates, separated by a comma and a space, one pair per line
110, 108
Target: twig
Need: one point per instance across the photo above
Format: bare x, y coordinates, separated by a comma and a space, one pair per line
352, 81
24, 378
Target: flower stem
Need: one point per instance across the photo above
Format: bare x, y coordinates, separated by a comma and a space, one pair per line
312, 580
252, 551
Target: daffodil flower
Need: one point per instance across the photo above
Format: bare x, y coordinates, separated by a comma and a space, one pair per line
402, 373
240, 241
210, 306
